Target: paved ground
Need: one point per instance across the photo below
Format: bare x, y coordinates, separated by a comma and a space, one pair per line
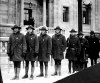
7, 76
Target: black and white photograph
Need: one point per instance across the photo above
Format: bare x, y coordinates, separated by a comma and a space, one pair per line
49, 41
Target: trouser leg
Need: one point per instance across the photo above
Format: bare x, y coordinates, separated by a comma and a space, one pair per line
46, 69
32, 70
15, 70
95, 60
41, 69
18, 68
26, 70
55, 67
69, 66
59, 67
91, 61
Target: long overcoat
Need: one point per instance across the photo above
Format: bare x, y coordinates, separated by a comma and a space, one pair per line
94, 47
16, 46
32, 46
84, 46
58, 46
45, 46
1, 80
73, 48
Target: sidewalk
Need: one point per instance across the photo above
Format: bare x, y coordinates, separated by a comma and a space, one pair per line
7, 76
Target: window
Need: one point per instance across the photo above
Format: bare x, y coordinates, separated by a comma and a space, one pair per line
86, 14
65, 14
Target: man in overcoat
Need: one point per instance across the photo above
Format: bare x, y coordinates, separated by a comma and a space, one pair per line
73, 50
45, 46
32, 50
58, 47
1, 80
16, 49
82, 59
94, 48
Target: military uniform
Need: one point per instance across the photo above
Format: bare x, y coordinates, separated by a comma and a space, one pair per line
82, 59
16, 50
1, 80
73, 50
32, 51
58, 47
45, 45
93, 48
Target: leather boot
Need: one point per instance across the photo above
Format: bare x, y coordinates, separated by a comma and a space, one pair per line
26, 73
55, 73
15, 71
59, 70
32, 71
18, 72
46, 71
41, 72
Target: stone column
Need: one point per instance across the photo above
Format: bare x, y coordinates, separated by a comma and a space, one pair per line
22, 12
51, 13
80, 15
44, 12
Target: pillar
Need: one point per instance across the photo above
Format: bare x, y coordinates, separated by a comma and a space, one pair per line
50, 13
80, 15
22, 12
44, 12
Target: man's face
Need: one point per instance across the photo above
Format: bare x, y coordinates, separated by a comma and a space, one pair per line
29, 30
73, 33
16, 30
43, 31
92, 35
80, 36
57, 31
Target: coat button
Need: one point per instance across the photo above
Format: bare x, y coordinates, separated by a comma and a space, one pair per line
31, 38
94, 42
58, 39
43, 39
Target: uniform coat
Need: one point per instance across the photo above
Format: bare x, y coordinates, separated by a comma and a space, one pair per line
84, 45
45, 46
58, 46
1, 80
16, 46
32, 46
74, 48
93, 47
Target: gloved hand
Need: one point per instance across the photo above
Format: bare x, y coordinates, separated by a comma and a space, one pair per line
35, 54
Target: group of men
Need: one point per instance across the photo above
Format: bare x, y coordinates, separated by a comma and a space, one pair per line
31, 47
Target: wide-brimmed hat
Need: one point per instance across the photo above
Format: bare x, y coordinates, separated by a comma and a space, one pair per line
16, 26
80, 33
30, 27
58, 27
73, 30
92, 32
43, 28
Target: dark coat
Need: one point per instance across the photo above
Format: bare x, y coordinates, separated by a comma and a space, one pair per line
58, 46
84, 46
45, 46
74, 48
1, 80
32, 47
93, 47
16, 46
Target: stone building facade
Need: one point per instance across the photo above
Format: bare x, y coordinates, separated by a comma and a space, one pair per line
51, 13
